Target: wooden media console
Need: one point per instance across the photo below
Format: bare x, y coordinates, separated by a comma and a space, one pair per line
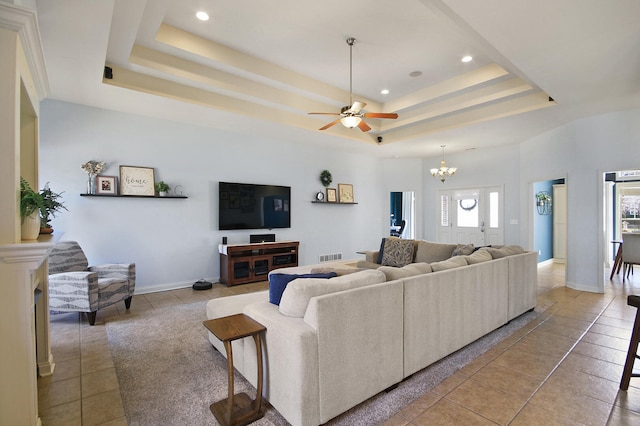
246, 263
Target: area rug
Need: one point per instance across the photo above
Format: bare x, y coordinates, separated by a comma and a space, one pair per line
169, 373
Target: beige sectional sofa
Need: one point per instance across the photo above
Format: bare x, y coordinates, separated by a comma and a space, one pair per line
333, 343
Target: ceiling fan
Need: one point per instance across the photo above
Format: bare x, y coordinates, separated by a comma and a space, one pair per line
352, 115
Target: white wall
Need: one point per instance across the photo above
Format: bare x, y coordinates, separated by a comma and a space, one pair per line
496, 166
174, 242
582, 151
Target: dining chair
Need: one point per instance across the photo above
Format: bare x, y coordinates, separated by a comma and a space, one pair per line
630, 253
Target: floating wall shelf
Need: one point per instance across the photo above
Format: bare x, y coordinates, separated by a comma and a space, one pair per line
131, 196
326, 202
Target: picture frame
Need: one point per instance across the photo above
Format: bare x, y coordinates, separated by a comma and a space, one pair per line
345, 193
138, 181
332, 196
106, 185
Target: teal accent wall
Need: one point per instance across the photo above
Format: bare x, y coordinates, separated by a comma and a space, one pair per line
543, 224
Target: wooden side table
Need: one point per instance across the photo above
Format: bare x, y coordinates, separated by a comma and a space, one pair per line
237, 409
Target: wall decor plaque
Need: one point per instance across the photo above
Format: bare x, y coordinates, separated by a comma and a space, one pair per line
137, 181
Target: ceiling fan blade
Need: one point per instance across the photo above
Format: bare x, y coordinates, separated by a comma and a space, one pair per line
357, 107
364, 126
381, 115
329, 125
325, 113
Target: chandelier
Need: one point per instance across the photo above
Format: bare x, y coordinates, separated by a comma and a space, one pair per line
443, 171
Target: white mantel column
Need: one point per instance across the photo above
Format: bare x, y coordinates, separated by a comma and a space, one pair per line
23, 272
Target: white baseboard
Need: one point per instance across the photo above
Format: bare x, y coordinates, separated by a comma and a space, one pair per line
169, 286
580, 287
545, 262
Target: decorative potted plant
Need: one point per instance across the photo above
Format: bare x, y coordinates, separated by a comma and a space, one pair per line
30, 204
50, 205
162, 188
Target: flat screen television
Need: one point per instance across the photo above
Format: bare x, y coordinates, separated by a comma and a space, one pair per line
252, 206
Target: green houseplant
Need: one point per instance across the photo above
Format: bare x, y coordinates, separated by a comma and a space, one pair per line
162, 188
30, 201
51, 204
30, 204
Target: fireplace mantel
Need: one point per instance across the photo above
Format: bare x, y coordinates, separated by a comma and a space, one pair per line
24, 270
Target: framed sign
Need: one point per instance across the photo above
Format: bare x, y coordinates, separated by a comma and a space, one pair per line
345, 193
331, 195
106, 185
137, 181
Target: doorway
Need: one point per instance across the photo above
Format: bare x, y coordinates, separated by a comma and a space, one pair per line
471, 216
621, 210
402, 213
550, 220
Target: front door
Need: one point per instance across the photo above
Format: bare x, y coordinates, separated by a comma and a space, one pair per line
471, 216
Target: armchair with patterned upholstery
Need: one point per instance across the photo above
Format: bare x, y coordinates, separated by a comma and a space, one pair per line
74, 286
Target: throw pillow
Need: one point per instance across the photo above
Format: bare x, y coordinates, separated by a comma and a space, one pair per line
463, 250
478, 257
397, 252
505, 251
278, 282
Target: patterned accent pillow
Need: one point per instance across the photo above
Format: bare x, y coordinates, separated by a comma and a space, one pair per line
397, 252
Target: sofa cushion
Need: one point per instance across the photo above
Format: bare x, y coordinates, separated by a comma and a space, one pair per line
504, 251
363, 264
278, 283
393, 273
298, 293
337, 270
429, 252
463, 250
454, 262
478, 257
397, 252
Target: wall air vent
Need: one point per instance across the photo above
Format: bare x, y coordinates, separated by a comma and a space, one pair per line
330, 257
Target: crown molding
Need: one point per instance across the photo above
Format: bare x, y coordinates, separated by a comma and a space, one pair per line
24, 21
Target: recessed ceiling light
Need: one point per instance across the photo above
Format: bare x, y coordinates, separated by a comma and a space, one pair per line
203, 16
467, 58
384, 91
415, 74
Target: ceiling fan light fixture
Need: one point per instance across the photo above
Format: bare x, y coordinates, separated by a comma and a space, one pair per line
352, 114
351, 121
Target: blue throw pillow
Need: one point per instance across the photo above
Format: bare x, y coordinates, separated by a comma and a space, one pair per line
278, 282
381, 252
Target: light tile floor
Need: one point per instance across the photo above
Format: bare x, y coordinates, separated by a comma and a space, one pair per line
564, 368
